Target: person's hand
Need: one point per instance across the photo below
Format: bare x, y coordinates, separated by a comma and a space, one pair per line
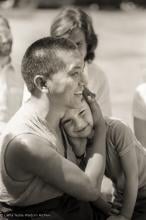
117, 217
115, 208
95, 109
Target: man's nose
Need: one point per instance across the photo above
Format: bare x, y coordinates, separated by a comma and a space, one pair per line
4, 40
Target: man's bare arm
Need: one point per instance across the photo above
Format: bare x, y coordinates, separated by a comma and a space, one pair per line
33, 155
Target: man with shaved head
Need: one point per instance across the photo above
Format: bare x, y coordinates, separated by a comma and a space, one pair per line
39, 176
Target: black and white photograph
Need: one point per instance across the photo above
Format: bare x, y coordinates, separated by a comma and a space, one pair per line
72, 109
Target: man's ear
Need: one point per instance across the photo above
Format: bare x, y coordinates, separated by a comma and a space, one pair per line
40, 83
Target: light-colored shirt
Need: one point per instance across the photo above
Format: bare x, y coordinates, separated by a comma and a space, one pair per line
139, 102
10, 94
98, 84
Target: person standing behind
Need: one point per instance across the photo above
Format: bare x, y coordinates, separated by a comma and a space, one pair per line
76, 25
8, 86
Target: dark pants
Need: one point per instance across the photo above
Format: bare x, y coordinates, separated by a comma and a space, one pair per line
63, 208
140, 210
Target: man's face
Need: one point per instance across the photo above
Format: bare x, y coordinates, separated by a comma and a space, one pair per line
78, 123
67, 85
5, 41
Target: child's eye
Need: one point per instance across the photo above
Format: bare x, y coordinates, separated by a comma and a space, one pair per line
67, 121
82, 113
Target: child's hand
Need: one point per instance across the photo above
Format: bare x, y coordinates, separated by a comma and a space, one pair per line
95, 109
117, 217
116, 208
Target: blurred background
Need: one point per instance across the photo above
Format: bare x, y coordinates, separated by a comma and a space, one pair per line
121, 29
102, 4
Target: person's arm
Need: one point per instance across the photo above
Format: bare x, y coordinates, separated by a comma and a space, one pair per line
125, 142
33, 155
96, 155
129, 164
130, 168
139, 129
98, 147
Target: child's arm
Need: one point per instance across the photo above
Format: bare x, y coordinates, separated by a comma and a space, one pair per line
124, 141
130, 168
96, 156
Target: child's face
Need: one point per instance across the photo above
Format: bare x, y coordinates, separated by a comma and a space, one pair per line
5, 41
78, 37
78, 122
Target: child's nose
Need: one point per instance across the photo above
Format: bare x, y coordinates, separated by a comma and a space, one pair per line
79, 124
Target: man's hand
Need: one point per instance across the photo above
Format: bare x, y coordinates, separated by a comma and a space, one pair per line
117, 217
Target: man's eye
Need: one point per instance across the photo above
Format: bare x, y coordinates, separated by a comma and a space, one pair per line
75, 74
79, 44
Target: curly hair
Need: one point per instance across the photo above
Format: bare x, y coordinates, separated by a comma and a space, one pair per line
70, 18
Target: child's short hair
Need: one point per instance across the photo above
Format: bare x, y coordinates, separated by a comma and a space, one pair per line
70, 18
41, 58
